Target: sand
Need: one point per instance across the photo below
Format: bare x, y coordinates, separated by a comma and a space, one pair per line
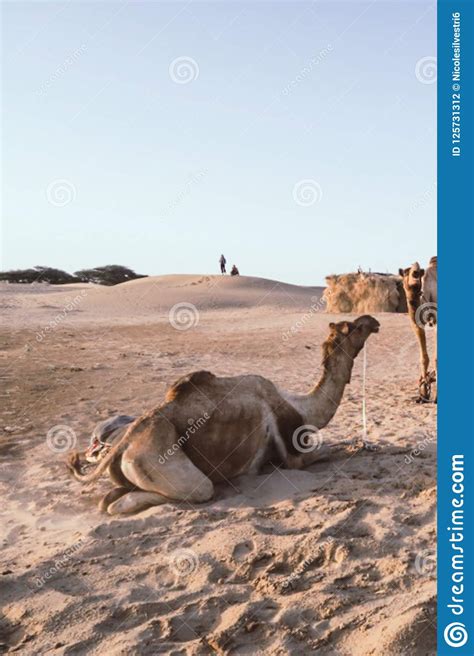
335, 560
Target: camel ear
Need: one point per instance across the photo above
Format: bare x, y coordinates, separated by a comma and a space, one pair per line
345, 328
400, 272
422, 273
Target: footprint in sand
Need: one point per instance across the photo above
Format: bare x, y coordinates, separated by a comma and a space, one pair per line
243, 550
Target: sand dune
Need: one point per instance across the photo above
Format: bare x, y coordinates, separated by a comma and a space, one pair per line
146, 298
334, 560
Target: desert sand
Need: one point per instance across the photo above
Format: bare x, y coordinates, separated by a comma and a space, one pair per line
334, 560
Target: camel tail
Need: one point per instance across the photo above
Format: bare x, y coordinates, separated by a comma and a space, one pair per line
74, 460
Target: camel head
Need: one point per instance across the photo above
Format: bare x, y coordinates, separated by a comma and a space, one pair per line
412, 278
347, 338
105, 435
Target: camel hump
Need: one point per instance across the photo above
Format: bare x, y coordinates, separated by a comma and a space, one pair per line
189, 384
434, 260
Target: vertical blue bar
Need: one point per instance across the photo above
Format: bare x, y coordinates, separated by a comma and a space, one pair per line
455, 331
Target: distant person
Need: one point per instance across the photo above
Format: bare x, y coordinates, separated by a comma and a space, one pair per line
222, 262
234, 271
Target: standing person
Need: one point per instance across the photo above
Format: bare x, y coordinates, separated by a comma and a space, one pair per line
222, 262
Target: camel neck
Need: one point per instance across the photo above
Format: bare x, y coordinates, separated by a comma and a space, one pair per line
320, 405
413, 302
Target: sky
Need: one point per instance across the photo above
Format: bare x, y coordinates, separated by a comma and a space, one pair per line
297, 138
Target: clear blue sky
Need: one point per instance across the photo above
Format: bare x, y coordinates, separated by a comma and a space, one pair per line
163, 176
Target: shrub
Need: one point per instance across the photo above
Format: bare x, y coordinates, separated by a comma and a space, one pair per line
112, 274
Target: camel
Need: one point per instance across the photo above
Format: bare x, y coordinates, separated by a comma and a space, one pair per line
422, 299
242, 423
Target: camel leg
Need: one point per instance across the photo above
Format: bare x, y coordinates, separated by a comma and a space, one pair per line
116, 474
177, 481
111, 497
424, 357
423, 385
159, 470
324, 452
133, 502
158, 464
435, 396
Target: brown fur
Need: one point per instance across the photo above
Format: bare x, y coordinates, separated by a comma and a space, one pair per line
211, 429
414, 278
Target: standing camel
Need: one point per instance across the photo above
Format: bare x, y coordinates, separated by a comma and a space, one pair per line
238, 424
422, 299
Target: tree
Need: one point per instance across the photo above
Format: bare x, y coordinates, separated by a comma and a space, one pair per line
112, 274
38, 274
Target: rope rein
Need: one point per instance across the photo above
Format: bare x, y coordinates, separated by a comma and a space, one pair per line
364, 408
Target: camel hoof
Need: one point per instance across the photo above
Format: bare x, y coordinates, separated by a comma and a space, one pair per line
370, 446
111, 497
135, 502
424, 390
359, 444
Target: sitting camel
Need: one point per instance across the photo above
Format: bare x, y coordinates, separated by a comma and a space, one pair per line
422, 299
243, 422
